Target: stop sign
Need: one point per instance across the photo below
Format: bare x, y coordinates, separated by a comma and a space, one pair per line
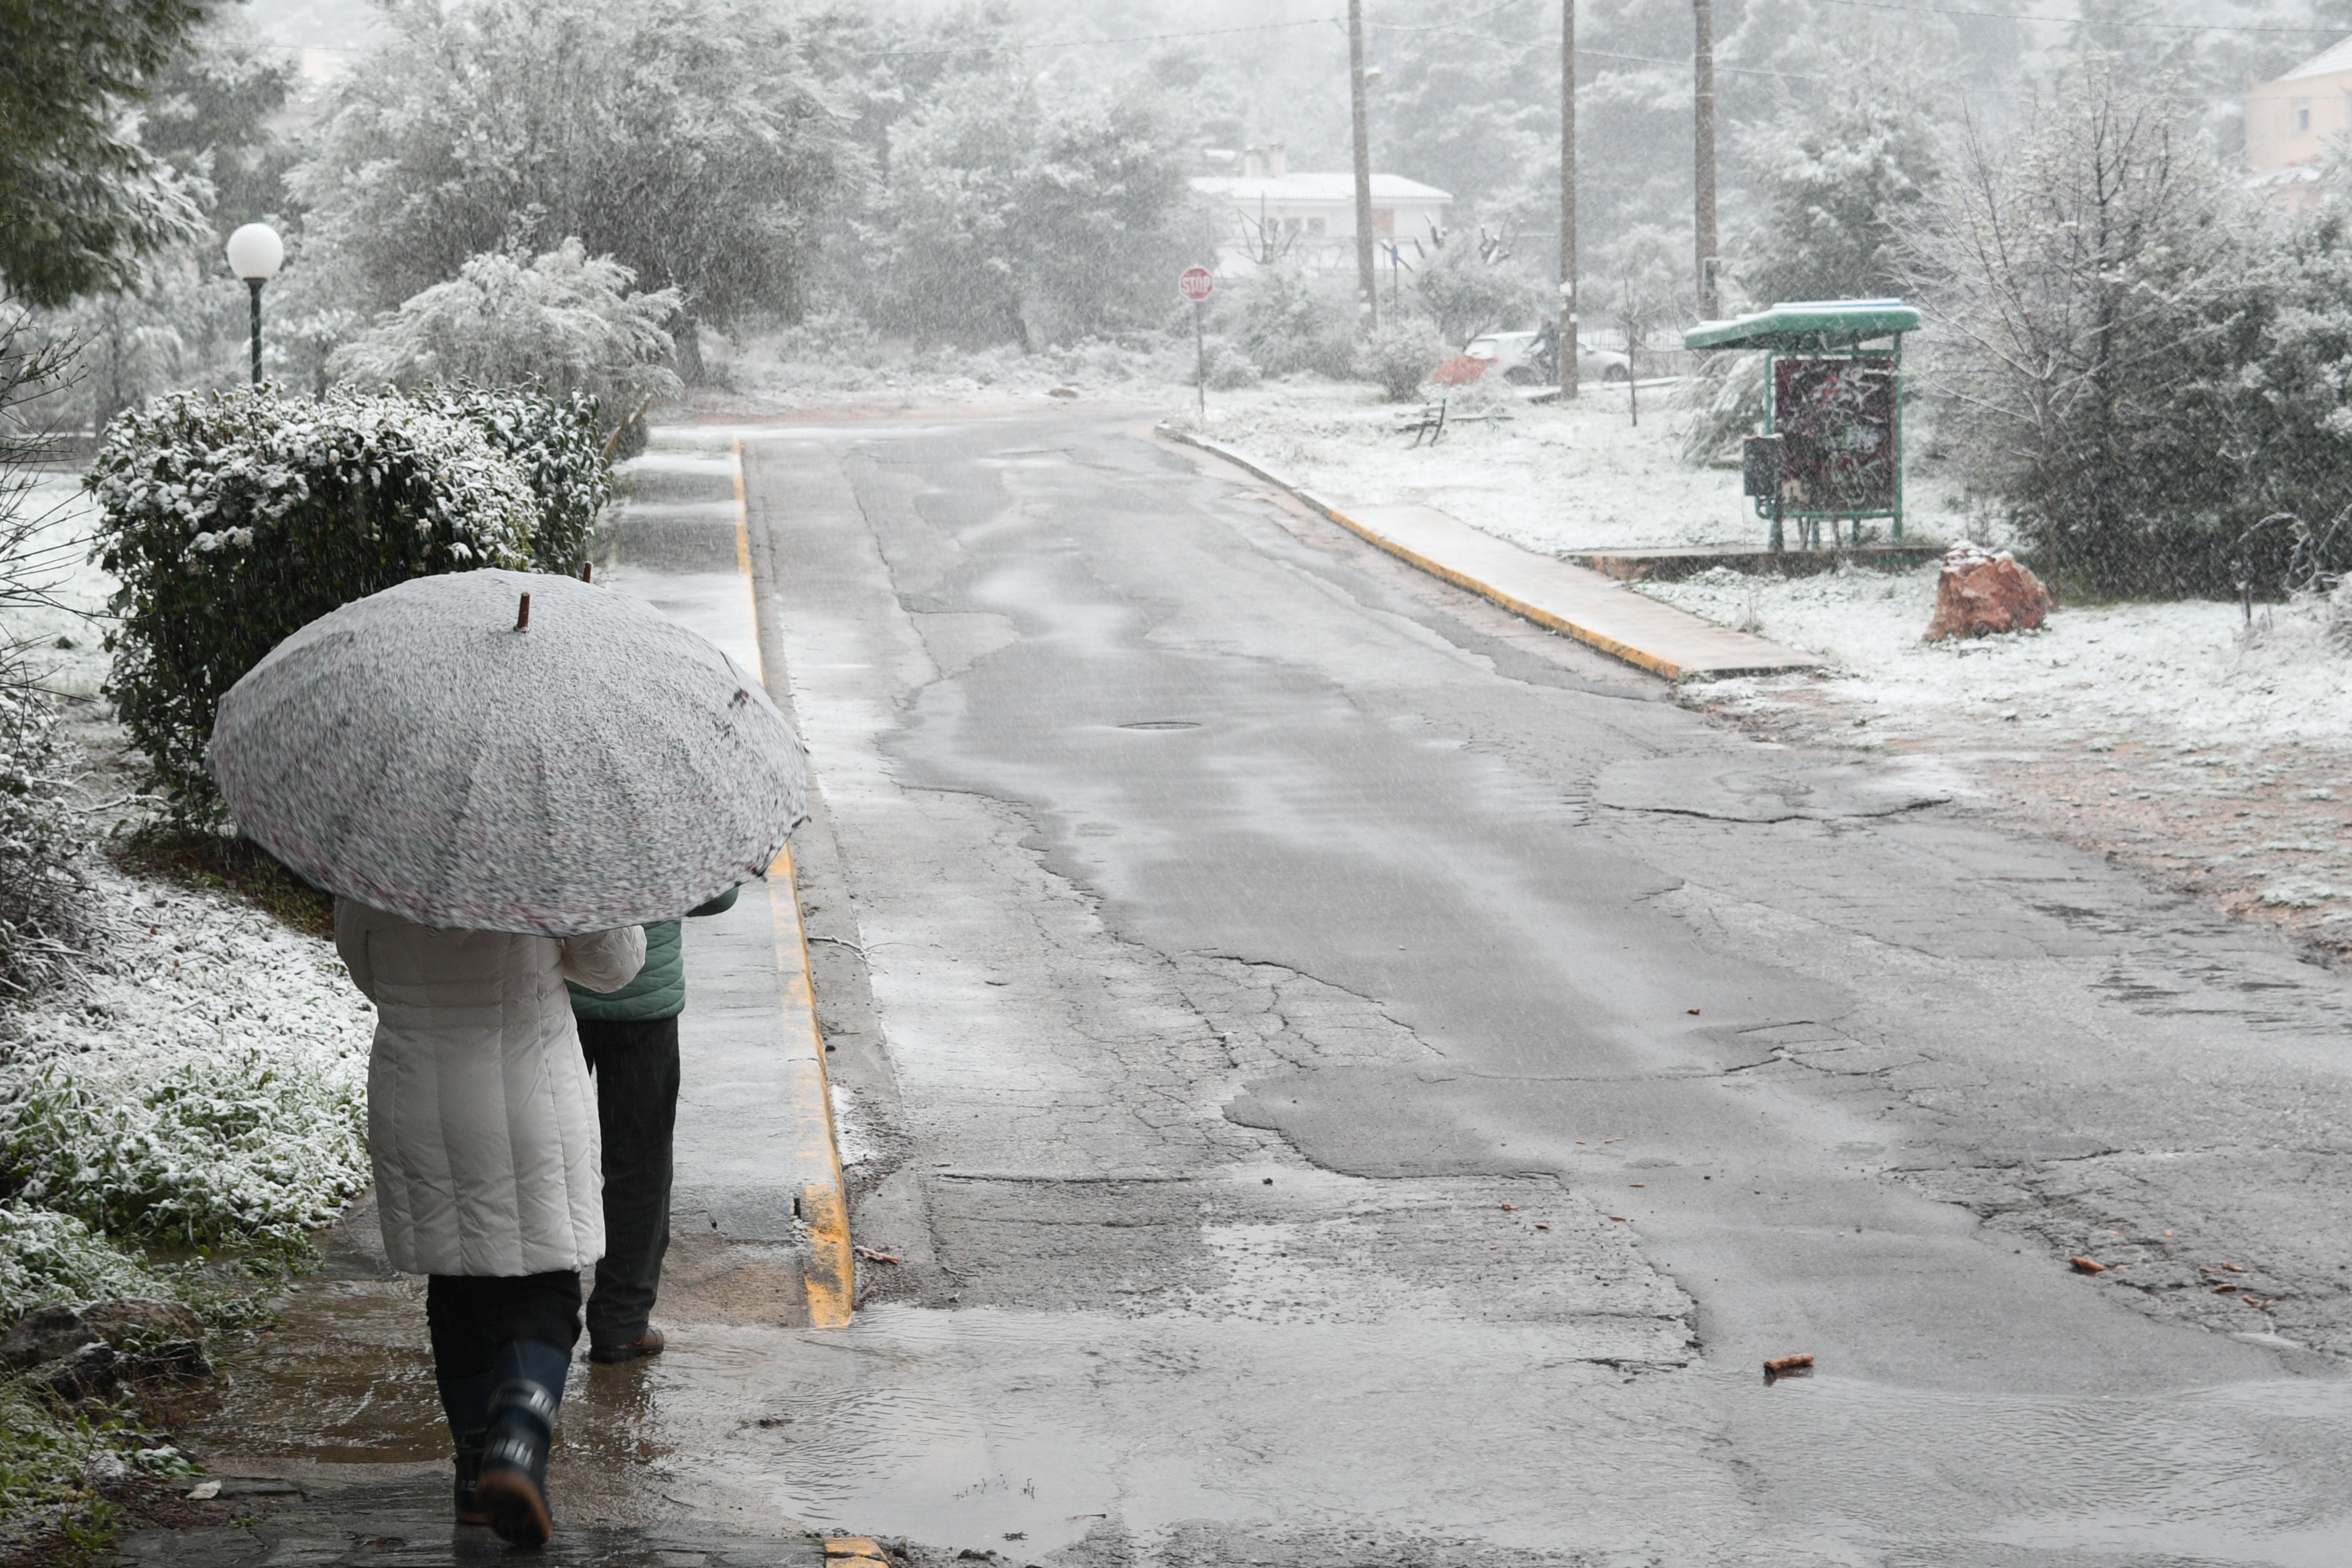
1195, 284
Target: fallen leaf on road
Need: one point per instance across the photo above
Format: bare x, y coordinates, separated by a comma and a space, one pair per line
1620, 1217
873, 1257
2223, 1290
1510, 1208
2233, 1268
1789, 1363
1541, 1226
1694, 1011
2087, 1266
1641, 1184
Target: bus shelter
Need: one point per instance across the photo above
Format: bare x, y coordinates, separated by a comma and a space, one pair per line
1832, 447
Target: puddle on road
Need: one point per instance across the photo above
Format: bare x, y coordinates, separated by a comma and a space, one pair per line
2250, 1473
968, 1429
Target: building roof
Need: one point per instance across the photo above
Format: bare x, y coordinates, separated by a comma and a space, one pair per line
1806, 322
1338, 188
2327, 62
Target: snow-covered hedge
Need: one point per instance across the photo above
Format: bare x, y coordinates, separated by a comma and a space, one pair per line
231, 519
210, 1088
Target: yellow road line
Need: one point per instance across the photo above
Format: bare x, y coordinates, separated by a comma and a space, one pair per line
820, 1199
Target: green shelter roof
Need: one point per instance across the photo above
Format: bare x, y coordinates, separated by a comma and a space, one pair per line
1806, 324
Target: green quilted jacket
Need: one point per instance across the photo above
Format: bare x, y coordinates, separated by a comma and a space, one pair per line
659, 989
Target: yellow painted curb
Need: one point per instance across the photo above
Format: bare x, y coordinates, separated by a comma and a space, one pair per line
820, 1198
1656, 663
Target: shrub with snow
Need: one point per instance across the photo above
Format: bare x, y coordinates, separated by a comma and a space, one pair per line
565, 321
1292, 322
1400, 355
230, 520
209, 1088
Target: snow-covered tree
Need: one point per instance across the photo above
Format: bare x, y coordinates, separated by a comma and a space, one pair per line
82, 203
1838, 178
565, 321
683, 138
2093, 295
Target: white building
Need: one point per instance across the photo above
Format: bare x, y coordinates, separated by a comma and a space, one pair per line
1269, 213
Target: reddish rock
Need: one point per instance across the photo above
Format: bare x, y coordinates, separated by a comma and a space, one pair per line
1459, 371
1978, 592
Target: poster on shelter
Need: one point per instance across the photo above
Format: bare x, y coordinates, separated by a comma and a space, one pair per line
1836, 416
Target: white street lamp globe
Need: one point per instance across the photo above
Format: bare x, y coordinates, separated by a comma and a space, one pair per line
254, 252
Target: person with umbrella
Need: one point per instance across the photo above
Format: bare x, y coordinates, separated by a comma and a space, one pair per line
499, 806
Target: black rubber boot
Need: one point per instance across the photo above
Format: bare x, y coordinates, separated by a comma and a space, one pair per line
513, 1486
465, 1400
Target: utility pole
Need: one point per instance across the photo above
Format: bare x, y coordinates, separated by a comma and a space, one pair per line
1366, 290
1704, 149
1567, 336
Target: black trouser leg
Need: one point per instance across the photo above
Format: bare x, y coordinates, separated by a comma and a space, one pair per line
636, 1063
474, 1317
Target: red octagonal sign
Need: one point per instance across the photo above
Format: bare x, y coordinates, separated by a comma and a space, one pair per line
1195, 284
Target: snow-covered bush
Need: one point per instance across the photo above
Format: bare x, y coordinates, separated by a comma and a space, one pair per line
556, 442
1400, 355
1469, 288
1289, 321
230, 520
1229, 368
210, 1088
566, 321
46, 1258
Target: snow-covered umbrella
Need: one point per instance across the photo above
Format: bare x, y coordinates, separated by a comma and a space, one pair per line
474, 758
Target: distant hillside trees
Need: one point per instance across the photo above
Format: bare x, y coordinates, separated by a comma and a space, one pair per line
999, 217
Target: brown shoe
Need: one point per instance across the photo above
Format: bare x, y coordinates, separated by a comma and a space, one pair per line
648, 1343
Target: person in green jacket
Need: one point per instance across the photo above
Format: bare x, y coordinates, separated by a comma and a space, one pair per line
631, 1039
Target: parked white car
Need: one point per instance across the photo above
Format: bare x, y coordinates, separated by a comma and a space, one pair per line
1512, 355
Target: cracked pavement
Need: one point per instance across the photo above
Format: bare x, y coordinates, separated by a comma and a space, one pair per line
1350, 1078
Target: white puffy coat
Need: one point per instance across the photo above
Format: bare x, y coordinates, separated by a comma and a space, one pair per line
481, 1115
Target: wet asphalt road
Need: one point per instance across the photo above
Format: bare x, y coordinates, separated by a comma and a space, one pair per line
1348, 1080
1351, 1079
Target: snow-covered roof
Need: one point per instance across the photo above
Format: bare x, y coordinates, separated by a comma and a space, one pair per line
1336, 188
2327, 62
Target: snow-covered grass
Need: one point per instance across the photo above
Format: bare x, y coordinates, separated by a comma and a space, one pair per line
2179, 675
1557, 477
208, 1086
2212, 753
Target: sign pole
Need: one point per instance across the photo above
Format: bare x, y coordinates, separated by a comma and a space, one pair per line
1201, 357
1195, 284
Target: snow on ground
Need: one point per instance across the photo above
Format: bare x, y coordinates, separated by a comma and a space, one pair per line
2095, 673
1557, 477
2209, 753
208, 1084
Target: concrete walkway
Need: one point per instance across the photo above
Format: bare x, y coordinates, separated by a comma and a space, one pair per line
1573, 600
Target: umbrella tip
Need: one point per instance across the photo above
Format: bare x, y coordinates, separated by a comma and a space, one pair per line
523, 616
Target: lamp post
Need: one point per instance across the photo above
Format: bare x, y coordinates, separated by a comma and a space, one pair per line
255, 254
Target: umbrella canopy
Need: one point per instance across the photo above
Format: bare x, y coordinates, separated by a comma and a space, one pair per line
417, 751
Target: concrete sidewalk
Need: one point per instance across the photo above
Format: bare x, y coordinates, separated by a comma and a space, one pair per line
1581, 603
